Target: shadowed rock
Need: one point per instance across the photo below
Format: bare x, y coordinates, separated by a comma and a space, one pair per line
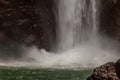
117, 67
110, 18
27, 22
105, 72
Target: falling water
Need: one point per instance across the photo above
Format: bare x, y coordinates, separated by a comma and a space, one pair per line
79, 42
78, 22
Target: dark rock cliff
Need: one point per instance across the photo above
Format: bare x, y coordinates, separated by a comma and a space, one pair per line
29, 22
25, 22
110, 18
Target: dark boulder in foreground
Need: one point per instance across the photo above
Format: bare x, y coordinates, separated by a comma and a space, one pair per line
117, 67
106, 72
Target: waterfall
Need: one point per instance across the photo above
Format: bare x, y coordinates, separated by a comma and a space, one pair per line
78, 39
77, 22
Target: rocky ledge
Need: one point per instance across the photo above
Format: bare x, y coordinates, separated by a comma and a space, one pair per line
109, 71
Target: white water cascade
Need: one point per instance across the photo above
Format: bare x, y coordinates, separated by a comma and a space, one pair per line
77, 22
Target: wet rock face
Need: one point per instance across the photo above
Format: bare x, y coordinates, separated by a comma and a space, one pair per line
25, 22
117, 67
29, 22
106, 72
110, 18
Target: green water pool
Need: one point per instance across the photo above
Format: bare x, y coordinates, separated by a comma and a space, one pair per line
43, 74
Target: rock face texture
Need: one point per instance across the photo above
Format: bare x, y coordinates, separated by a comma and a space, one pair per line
109, 71
117, 67
29, 22
110, 18
25, 22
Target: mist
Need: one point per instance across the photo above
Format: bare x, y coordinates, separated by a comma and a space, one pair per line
89, 54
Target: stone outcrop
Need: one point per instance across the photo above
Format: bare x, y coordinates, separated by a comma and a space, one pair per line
109, 71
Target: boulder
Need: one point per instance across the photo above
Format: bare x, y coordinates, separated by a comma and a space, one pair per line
105, 72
